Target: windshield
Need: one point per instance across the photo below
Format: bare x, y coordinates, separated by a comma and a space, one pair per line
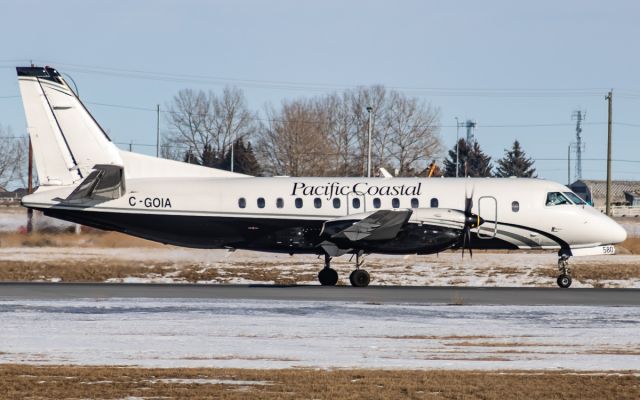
556, 199
575, 198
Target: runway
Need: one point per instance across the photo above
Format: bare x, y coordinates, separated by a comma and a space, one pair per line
373, 294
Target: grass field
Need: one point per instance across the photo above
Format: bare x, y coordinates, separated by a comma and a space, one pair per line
73, 382
114, 257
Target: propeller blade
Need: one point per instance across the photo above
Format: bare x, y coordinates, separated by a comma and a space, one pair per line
465, 238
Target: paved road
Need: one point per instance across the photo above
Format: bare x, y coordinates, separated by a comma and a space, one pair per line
372, 294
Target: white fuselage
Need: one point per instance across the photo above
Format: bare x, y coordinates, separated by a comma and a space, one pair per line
514, 210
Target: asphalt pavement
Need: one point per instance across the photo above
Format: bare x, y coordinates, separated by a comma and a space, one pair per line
371, 294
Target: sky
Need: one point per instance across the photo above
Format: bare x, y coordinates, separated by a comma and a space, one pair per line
519, 69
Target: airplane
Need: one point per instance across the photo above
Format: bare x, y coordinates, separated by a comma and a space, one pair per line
86, 179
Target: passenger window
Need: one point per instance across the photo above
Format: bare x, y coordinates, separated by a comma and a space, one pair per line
298, 202
242, 203
336, 203
556, 199
279, 202
355, 203
395, 202
317, 203
434, 203
415, 203
260, 202
515, 206
376, 203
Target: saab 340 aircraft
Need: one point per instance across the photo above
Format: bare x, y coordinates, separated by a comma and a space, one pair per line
85, 178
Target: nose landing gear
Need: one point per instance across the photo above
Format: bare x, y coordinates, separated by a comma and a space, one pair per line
564, 280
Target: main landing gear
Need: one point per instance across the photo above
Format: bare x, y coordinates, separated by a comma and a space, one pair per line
359, 277
564, 280
329, 277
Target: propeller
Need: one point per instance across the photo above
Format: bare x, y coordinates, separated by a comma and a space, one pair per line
470, 221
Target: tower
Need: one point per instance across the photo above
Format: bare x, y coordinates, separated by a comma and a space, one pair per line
471, 129
579, 116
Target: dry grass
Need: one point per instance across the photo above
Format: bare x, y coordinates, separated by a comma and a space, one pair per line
66, 239
73, 382
631, 245
596, 272
97, 270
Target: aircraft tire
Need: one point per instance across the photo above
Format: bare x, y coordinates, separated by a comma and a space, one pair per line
564, 281
328, 277
359, 278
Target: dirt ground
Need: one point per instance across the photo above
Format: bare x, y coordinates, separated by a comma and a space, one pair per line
74, 382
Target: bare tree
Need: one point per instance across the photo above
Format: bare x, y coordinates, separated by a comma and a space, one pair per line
413, 129
328, 135
199, 120
13, 154
294, 140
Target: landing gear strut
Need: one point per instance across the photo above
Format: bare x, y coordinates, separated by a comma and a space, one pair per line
564, 280
327, 276
359, 277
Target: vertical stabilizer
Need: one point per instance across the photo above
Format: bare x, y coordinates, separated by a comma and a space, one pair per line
67, 141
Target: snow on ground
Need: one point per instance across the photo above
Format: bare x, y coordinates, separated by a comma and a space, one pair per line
276, 334
241, 267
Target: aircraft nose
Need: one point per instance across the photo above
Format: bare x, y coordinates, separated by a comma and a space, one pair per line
615, 233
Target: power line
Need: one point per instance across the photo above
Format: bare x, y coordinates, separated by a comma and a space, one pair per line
291, 85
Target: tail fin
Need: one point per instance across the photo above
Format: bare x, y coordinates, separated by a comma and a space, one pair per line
67, 141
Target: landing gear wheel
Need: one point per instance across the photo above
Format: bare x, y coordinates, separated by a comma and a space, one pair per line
359, 278
564, 281
328, 277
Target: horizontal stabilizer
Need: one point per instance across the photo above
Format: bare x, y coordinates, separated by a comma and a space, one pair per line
105, 182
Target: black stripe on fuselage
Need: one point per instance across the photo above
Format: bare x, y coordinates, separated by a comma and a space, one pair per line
555, 238
263, 234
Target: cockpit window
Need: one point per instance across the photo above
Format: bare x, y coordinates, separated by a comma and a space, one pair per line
556, 199
575, 198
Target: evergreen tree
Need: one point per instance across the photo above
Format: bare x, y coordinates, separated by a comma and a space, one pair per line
210, 158
478, 163
515, 163
190, 157
244, 159
450, 163
473, 161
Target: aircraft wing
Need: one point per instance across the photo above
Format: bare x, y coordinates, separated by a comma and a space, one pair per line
381, 225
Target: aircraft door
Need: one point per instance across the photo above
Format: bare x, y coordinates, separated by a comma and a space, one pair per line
488, 211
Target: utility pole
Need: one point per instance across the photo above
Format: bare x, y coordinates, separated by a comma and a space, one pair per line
457, 143
609, 99
30, 183
233, 144
369, 109
569, 165
30, 188
157, 130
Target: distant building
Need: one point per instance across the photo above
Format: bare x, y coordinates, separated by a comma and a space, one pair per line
633, 198
594, 192
11, 198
